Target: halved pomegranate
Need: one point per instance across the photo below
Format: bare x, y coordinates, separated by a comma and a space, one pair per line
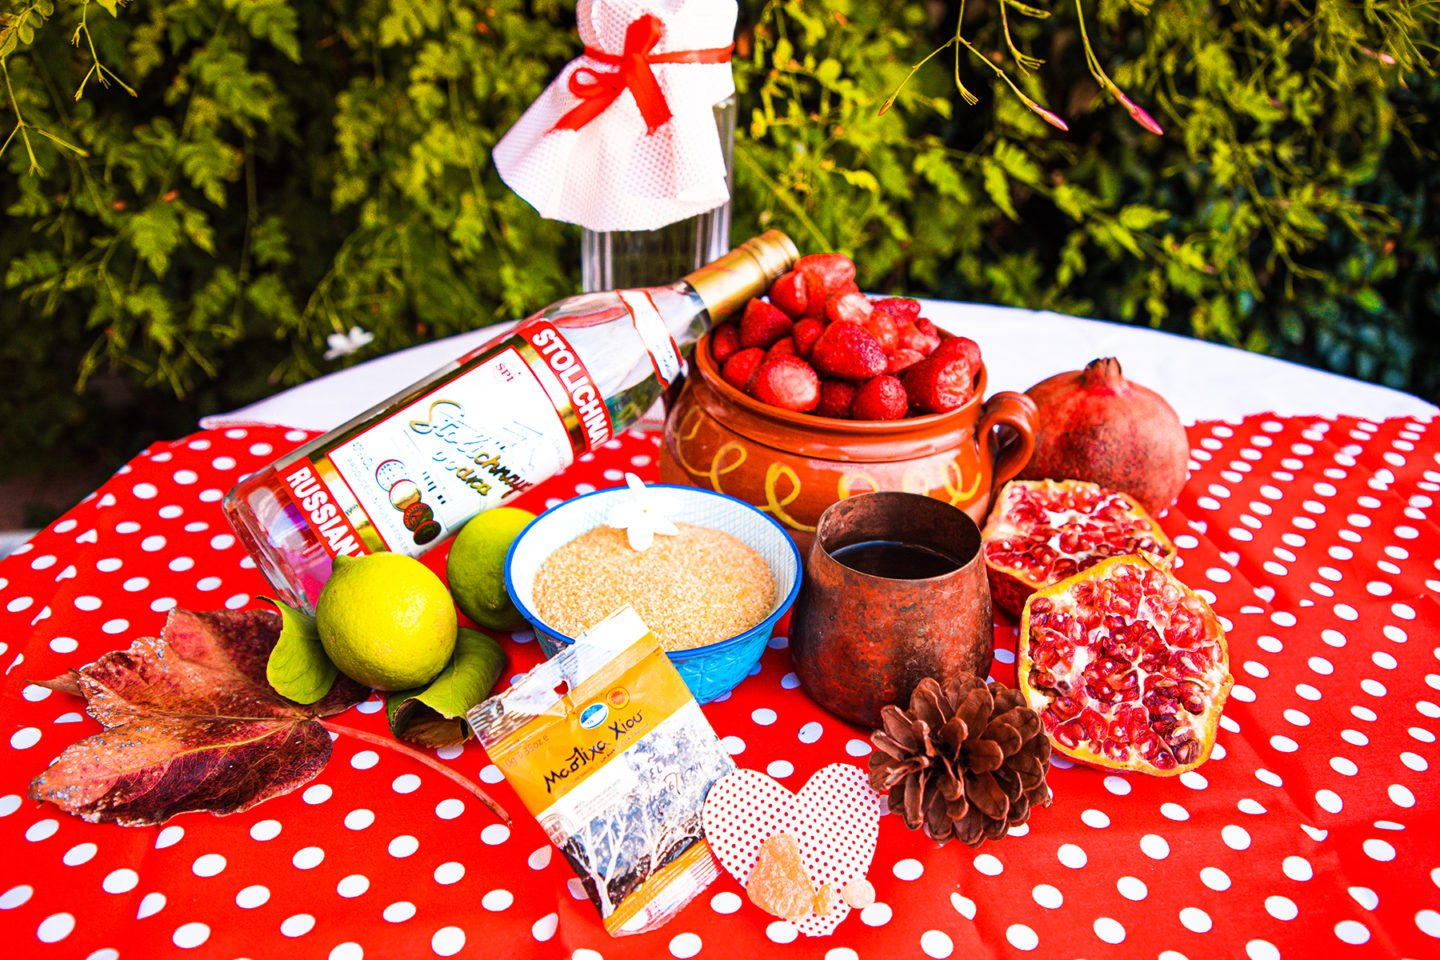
1042, 531
1126, 666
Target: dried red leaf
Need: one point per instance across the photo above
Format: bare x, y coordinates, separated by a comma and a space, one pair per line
67, 682
191, 725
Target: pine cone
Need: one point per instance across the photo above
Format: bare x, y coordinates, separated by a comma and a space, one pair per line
966, 761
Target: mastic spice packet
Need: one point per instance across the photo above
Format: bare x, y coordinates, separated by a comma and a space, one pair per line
606, 746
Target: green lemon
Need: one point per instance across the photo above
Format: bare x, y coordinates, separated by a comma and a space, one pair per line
476, 568
386, 620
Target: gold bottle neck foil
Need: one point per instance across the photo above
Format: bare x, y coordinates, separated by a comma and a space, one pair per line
727, 284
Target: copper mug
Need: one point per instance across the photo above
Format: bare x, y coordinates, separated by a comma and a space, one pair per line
894, 591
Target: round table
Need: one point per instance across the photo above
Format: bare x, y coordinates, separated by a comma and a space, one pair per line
1308, 522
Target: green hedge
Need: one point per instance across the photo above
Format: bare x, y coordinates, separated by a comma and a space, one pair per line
289, 168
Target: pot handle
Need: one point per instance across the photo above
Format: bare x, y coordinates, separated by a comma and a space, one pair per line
1007, 453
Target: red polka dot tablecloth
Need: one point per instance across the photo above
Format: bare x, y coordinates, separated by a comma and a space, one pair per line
1314, 828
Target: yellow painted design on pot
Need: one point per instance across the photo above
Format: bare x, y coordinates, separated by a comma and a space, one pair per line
685, 432
845, 487
952, 484
719, 469
776, 506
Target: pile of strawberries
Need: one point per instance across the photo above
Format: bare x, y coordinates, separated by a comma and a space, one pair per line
821, 346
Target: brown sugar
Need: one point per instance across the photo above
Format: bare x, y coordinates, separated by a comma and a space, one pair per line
695, 588
779, 884
826, 899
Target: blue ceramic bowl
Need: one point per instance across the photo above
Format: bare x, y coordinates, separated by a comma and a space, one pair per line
709, 671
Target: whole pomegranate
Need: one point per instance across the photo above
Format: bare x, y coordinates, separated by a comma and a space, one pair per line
1095, 425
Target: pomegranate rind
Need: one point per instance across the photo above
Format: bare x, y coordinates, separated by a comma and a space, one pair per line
1214, 682
1086, 510
1096, 425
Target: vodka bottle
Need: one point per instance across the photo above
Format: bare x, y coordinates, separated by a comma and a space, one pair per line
408, 473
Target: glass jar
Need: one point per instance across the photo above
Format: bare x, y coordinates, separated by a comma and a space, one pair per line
622, 259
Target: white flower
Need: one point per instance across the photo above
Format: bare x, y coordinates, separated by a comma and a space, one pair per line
344, 344
640, 517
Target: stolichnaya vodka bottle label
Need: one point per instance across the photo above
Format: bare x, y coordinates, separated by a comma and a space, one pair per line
407, 474
408, 477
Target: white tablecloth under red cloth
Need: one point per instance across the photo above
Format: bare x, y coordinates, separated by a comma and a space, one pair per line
1312, 831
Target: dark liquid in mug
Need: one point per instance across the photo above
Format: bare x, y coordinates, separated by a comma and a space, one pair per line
896, 560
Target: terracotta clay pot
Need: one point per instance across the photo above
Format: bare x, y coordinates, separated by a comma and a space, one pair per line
794, 465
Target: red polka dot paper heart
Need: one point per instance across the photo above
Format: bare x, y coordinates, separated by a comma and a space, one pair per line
835, 819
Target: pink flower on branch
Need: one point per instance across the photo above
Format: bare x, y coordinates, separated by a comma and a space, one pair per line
1137, 114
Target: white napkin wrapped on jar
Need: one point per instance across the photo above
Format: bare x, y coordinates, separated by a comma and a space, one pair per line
625, 137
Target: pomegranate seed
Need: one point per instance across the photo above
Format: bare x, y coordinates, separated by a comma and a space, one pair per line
1102, 691
1066, 707
1191, 696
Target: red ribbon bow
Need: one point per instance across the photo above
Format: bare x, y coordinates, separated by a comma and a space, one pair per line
598, 90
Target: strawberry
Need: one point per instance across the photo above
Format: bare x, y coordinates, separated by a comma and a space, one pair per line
910, 337
724, 343
824, 273
831, 270
928, 328
786, 382
835, 399
806, 332
883, 329
740, 368
789, 294
784, 347
880, 398
937, 384
847, 351
960, 347
902, 358
763, 324
847, 308
900, 309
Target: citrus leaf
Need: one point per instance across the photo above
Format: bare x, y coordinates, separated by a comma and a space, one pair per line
432, 715
190, 725
298, 667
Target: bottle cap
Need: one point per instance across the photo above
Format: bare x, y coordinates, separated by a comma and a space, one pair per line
727, 284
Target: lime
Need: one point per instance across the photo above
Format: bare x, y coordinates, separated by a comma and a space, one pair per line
386, 620
476, 568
